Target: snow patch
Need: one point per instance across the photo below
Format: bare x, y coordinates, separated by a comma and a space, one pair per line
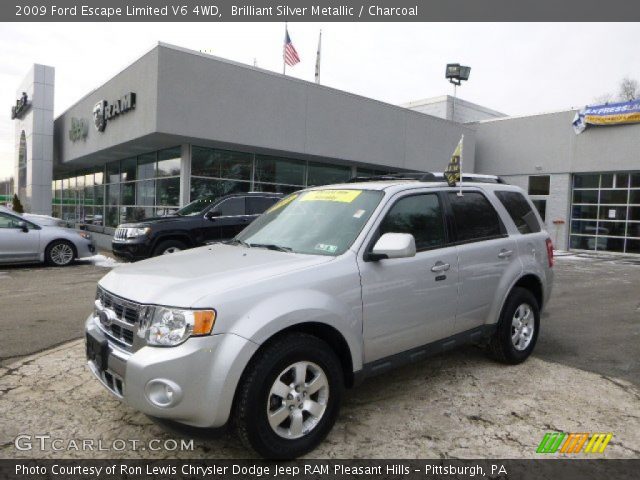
103, 261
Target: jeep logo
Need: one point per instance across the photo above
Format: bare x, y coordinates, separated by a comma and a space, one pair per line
103, 111
79, 129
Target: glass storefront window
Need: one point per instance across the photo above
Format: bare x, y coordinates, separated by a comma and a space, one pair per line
622, 180
128, 193
323, 174
272, 188
209, 162
169, 162
128, 169
606, 180
113, 172
585, 196
111, 216
635, 180
147, 166
612, 213
205, 187
146, 192
98, 178
278, 170
168, 191
613, 196
113, 194
135, 214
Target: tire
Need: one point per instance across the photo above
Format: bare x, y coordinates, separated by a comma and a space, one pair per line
167, 247
60, 253
514, 341
255, 397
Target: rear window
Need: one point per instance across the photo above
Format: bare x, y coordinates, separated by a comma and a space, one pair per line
257, 205
474, 217
520, 211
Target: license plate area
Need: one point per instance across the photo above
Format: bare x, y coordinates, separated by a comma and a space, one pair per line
98, 351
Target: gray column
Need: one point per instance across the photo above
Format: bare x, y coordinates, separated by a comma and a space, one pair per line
185, 174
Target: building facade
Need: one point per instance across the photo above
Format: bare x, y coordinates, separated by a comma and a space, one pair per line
176, 125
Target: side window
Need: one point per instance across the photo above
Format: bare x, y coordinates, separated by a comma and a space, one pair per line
8, 221
474, 217
257, 205
419, 215
520, 211
231, 207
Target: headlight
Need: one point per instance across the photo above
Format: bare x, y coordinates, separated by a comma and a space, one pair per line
138, 232
85, 235
171, 326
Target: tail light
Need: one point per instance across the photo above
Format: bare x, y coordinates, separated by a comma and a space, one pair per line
550, 252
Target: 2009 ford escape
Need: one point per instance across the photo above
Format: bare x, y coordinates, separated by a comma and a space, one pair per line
328, 286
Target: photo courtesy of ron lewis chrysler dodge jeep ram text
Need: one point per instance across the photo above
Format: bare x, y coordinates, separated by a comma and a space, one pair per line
330, 285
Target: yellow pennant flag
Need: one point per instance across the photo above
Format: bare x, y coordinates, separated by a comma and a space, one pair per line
453, 173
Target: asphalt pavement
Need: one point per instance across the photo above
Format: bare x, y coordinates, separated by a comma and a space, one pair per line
592, 321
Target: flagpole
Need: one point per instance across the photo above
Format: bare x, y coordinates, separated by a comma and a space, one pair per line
461, 160
318, 58
284, 63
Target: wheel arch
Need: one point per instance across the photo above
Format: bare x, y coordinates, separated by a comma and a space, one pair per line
61, 239
180, 236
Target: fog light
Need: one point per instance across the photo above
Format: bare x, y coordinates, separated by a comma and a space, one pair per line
163, 393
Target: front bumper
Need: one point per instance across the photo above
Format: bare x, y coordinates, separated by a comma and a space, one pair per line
203, 373
85, 249
131, 250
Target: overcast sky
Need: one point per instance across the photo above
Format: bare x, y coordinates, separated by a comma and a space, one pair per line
517, 68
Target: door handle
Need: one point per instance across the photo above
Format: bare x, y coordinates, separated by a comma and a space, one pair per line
505, 253
440, 267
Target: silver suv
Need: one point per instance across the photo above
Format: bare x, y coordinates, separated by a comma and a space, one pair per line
329, 286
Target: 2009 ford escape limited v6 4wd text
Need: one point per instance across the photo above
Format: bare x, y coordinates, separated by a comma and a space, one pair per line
328, 286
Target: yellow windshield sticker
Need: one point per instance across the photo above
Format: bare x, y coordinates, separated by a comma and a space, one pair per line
282, 203
343, 196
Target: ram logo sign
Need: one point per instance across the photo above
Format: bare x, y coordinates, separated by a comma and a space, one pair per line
103, 111
560, 442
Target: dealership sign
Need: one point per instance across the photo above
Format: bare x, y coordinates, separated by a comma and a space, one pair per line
608, 114
21, 106
104, 111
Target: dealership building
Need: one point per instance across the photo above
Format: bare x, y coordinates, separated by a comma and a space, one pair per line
176, 125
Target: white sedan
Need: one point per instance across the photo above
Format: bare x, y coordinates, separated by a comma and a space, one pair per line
29, 240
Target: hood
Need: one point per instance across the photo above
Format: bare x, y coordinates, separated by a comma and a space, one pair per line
152, 221
180, 279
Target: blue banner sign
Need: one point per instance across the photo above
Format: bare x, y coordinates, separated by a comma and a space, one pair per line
607, 114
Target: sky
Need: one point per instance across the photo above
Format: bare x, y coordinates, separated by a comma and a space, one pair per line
516, 68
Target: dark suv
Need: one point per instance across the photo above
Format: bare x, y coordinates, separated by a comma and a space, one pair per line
206, 220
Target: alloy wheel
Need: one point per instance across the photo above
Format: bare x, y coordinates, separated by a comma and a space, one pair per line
522, 327
297, 400
61, 254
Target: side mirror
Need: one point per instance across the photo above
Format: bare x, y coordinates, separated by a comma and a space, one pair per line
211, 214
23, 226
394, 245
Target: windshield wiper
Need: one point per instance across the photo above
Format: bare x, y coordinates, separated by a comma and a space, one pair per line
270, 246
236, 241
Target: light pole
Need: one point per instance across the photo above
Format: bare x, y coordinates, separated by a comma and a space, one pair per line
456, 74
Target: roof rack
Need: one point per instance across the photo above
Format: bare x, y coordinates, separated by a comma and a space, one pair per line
427, 177
419, 176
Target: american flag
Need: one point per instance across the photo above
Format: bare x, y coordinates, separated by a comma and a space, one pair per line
290, 55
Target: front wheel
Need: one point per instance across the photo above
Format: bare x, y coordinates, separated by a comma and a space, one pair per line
289, 397
168, 247
60, 253
518, 328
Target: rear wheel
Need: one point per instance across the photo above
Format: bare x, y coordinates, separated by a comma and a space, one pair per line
167, 247
518, 328
289, 398
60, 253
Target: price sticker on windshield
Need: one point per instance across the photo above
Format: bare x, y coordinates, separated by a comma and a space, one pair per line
342, 196
282, 203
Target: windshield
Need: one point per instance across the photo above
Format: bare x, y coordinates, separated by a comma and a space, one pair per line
317, 222
197, 206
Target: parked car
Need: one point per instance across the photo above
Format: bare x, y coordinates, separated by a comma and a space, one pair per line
208, 219
329, 286
32, 238
46, 220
